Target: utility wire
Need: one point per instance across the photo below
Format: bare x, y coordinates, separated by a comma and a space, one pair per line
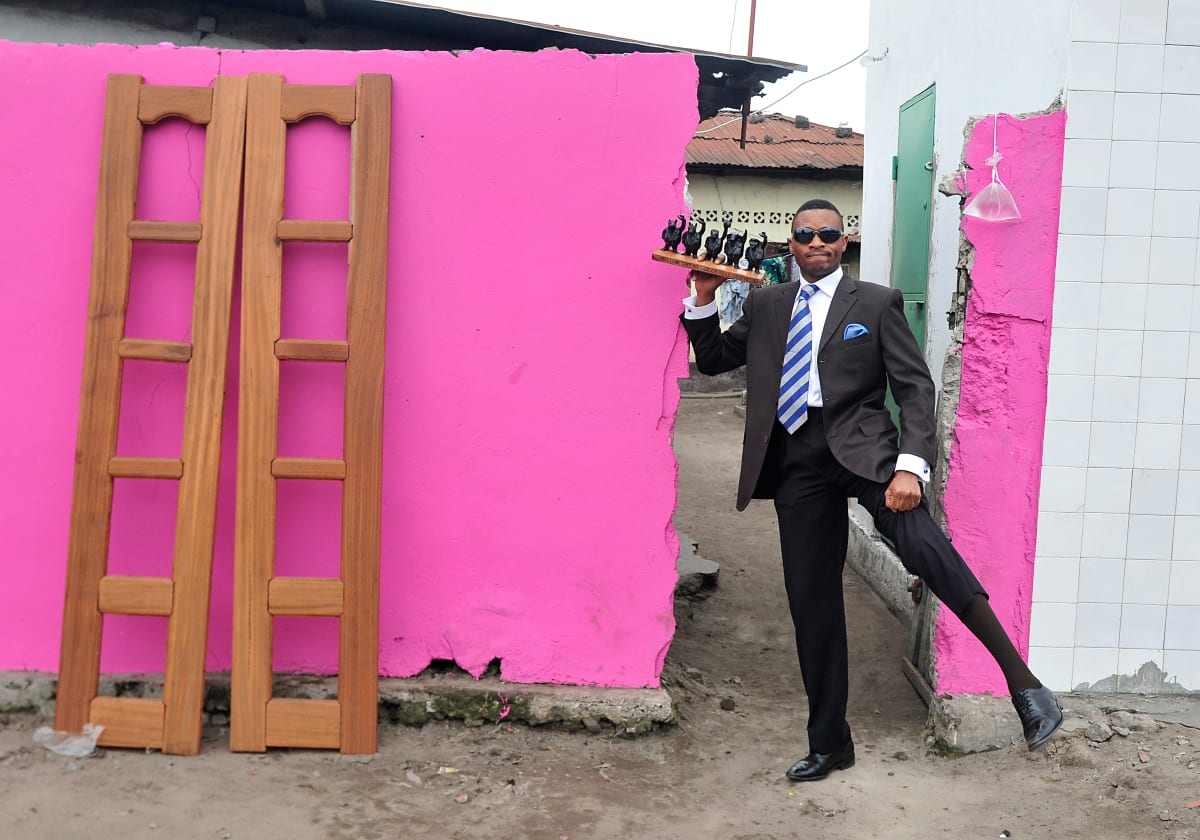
789, 93
732, 26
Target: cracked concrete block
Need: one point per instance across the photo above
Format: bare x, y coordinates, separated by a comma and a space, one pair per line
696, 574
970, 723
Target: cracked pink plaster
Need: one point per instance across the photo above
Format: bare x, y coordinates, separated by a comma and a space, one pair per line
991, 498
532, 356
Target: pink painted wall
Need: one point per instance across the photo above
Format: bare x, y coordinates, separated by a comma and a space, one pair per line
991, 498
532, 354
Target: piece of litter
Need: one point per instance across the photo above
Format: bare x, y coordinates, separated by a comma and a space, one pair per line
412, 777
1195, 803
462, 799
442, 771
1006, 833
64, 743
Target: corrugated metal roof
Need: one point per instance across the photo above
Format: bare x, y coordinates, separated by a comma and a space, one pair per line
549, 33
724, 80
773, 143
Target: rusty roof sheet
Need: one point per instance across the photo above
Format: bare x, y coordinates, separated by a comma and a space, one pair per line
773, 143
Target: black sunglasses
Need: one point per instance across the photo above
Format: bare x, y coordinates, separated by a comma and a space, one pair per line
828, 235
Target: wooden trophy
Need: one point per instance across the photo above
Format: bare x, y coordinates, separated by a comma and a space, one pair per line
721, 253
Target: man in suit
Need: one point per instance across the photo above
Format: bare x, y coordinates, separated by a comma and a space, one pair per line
820, 352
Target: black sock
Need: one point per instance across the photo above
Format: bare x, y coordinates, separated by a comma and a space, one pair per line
981, 621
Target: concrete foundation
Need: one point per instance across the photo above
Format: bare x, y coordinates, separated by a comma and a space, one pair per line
869, 555
968, 723
414, 701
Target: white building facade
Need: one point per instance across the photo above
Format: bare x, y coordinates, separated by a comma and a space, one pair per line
1115, 599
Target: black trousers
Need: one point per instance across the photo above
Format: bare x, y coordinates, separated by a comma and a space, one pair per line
811, 489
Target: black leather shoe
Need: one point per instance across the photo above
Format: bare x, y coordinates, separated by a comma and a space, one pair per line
816, 766
1040, 712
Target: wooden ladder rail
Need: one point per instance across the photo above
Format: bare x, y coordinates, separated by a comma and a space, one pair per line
173, 723
257, 719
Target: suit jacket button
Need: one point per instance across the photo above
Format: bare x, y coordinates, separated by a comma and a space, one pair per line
767, 439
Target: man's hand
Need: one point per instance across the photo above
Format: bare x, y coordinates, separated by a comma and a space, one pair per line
706, 286
904, 493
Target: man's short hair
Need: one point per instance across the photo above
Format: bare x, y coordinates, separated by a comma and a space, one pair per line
820, 204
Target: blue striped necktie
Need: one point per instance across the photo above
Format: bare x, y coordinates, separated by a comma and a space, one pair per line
797, 360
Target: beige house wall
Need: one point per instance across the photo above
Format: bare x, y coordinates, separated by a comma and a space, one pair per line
768, 204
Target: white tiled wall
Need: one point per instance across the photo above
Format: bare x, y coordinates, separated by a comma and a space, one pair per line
1117, 579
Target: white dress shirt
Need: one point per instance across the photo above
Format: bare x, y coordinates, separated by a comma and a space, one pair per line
818, 306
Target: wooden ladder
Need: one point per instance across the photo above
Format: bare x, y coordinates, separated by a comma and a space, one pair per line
173, 723
257, 719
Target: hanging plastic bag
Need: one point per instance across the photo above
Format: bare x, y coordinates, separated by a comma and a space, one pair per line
993, 203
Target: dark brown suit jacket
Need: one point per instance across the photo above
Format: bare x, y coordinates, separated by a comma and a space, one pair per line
854, 375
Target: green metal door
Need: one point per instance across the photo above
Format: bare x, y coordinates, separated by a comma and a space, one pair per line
912, 169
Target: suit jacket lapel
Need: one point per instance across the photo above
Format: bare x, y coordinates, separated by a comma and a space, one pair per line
843, 300
781, 314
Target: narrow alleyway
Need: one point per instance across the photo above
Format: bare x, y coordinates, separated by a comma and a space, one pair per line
718, 774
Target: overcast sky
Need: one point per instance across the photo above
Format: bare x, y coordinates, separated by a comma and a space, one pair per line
819, 35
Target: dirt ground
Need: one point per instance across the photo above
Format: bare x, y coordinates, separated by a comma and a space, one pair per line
717, 774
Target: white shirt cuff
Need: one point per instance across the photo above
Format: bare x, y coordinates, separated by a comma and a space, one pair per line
914, 464
694, 313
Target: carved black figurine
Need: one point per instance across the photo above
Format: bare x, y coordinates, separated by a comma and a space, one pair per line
712, 245
756, 252
672, 233
714, 252
691, 238
735, 243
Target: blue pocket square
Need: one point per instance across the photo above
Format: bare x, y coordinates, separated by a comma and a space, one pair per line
854, 331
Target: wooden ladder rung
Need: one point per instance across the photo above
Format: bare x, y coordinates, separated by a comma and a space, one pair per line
129, 467
334, 101
157, 102
321, 469
152, 350
149, 231
311, 351
305, 596
129, 721
292, 722
127, 595
314, 230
